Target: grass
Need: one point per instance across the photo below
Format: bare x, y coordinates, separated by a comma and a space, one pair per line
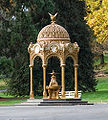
11, 102
101, 94
102, 84
4, 95
98, 96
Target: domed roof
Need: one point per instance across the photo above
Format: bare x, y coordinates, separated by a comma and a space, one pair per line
53, 32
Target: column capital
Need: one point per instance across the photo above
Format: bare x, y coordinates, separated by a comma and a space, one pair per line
75, 65
63, 65
30, 65
44, 65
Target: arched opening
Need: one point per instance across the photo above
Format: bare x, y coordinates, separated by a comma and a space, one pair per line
69, 74
53, 64
38, 76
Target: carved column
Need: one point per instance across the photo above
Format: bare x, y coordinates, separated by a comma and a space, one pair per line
44, 81
76, 80
31, 82
63, 80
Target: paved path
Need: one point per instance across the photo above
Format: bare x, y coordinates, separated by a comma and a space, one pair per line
93, 112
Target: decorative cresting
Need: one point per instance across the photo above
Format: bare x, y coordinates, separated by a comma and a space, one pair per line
53, 40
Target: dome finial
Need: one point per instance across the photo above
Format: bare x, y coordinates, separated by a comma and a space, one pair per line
52, 17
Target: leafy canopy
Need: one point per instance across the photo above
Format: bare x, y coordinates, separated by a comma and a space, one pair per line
97, 18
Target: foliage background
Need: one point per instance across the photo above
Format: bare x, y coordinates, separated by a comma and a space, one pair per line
97, 18
21, 22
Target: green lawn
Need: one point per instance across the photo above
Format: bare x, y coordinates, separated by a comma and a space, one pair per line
4, 95
101, 94
102, 84
11, 102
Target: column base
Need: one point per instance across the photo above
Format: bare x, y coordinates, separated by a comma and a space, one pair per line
63, 95
44, 95
76, 95
31, 95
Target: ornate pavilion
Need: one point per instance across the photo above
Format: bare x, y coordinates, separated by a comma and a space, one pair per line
53, 40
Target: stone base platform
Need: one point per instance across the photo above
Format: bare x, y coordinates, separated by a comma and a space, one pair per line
63, 102
30, 102
54, 102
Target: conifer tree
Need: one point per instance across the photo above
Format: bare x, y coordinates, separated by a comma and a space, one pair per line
27, 19
71, 16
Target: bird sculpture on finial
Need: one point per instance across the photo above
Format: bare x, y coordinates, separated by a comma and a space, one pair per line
53, 73
52, 17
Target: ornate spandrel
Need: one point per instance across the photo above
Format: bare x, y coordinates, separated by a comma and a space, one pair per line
37, 49
73, 48
60, 49
30, 48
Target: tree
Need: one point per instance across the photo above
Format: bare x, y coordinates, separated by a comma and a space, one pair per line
97, 50
105, 45
6, 67
26, 20
97, 18
71, 16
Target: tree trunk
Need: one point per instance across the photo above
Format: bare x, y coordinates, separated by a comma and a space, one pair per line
101, 59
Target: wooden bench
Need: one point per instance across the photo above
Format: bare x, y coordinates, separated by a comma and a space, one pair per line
71, 94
